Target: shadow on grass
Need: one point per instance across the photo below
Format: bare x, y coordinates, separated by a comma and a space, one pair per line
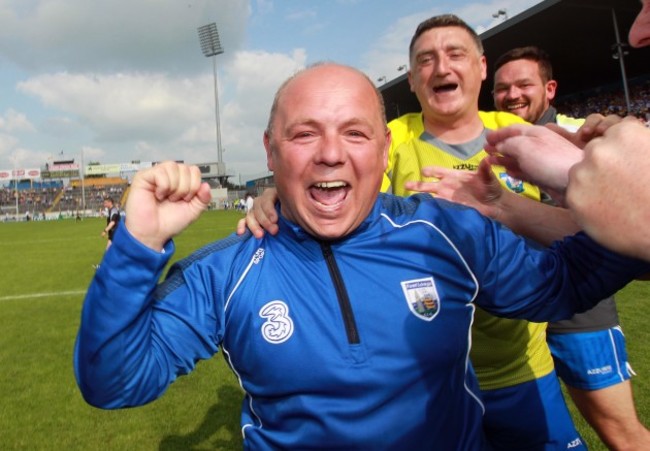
219, 418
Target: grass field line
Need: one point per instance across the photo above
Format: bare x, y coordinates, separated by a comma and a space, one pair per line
50, 294
76, 239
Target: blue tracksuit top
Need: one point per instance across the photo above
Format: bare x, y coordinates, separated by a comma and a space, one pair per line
359, 343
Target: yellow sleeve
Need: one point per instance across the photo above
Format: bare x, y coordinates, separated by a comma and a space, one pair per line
401, 129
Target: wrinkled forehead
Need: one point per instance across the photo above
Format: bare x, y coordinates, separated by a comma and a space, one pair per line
443, 37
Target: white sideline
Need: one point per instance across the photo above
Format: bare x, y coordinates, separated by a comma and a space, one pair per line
41, 295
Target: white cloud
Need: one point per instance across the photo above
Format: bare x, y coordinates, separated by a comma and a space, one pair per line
123, 107
255, 76
125, 79
13, 121
155, 116
110, 35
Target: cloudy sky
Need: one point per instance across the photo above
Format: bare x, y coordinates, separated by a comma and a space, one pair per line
123, 80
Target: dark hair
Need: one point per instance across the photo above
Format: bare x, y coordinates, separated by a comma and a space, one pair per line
531, 53
110, 199
444, 20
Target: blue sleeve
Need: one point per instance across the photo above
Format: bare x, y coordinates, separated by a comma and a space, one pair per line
135, 336
521, 279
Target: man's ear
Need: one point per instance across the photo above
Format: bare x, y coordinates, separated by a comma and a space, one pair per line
483, 64
389, 139
551, 86
269, 151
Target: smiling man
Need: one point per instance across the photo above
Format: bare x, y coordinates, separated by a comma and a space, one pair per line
330, 200
349, 329
524, 85
525, 408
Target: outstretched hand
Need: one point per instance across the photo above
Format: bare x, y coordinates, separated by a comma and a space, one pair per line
163, 201
480, 189
535, 154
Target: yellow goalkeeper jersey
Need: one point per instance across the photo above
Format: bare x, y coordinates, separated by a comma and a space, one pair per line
504, 352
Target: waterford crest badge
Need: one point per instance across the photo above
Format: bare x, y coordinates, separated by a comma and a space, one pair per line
513, 184
422, 297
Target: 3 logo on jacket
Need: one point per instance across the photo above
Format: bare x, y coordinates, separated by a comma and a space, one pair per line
422, 297
278, 326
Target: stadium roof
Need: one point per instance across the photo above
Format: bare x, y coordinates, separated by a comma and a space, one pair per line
578, 34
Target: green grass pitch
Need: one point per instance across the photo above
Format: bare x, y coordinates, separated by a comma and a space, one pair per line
45, 269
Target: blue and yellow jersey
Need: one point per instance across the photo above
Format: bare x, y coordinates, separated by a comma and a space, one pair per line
504, 352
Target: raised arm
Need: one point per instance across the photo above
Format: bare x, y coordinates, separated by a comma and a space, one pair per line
130, 346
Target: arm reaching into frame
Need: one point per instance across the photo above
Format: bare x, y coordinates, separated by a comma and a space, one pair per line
482, 191
609, 190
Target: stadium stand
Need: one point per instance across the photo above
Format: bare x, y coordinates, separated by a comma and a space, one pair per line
45, 198
608, 100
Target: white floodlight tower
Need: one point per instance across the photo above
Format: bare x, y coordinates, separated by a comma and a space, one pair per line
211, 47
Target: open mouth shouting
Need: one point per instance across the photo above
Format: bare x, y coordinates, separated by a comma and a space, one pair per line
446, 88
329, 194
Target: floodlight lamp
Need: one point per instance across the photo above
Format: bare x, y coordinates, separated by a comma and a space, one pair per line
209, 38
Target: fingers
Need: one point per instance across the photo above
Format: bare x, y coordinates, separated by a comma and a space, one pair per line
436, 171
495, 137
263, 217
241, 226
563, 132
422, 187
265, 213
175, 182
596, 125
485, 172
203, 194
250, 222
172, 182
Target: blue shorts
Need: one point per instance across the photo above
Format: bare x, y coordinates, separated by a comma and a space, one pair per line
530, 416
590, 360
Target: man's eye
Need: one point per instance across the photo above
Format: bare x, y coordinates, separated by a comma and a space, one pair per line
424, 60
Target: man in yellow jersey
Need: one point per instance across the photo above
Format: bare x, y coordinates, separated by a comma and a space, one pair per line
588, 350
524, 404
